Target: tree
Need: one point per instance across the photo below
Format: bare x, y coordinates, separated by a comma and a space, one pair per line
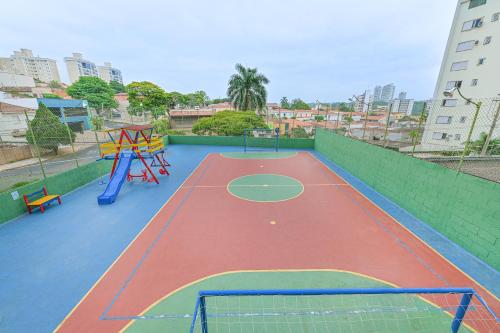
477, 146
161, 126
228, 123
298, 104
146, 96
247, 89
179, 99
319, 118
284, 103
218, 100
344, 107
97, 92
299, 132
47, 131
55, 85
117, 87
49, 95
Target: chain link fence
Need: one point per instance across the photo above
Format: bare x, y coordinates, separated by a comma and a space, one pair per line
455, 133
44, 144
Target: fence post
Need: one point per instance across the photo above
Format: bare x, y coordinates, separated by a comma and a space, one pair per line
467, 143
420, 121
492, 128
460, 314
35, 144
203, 315
68, 131
387, 124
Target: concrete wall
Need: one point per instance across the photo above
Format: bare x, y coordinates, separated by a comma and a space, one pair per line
464, 208
12, 153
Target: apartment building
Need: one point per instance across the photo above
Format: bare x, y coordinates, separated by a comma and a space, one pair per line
377, 93
363, 102
387, 93
402, 105
471, 61
109, 73
23, 62
77, 67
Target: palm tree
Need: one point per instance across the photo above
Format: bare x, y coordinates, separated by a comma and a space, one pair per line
246, 89
284, 103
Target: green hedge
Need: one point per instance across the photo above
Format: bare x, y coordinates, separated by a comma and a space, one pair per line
238, 141
60, 184
464, 208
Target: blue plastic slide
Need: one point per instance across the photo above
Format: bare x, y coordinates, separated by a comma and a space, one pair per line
115, 183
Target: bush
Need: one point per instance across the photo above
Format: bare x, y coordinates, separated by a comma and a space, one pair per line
299, 132
228, 123
161, 126
175, 132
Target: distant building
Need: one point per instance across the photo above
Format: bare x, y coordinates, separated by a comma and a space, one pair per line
78, 67
402, 106
470, 62
387, 93
377, 93
16, 81
363, 101
13, 117
402, 95
24, 63
108, 73
74, 112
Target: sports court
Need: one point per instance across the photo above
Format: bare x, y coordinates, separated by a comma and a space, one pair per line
275, 221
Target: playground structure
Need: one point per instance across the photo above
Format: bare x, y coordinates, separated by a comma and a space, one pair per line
127, 144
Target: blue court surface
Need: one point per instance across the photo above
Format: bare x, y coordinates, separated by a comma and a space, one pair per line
49, 261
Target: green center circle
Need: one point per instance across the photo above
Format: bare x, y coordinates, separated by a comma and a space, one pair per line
265, 188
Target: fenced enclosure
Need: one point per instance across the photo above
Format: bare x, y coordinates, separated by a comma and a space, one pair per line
343, 310
258, 138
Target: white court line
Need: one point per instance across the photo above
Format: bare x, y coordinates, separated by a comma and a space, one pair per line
264, 185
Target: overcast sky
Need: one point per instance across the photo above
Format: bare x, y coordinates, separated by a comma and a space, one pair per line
314, 49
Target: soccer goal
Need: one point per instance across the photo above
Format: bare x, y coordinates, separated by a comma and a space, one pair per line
260, 139
343, 310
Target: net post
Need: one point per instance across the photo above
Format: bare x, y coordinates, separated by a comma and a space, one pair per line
245, 140
203, 315
460, 314
277, 144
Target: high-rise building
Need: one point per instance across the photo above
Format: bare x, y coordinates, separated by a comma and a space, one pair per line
402, 95
470, 62
387, 92
363, 101
24, 63
108, 73
377, 93
78, 67
402, 105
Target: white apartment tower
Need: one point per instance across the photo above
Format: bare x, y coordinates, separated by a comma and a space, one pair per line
109, 73
78, 67
363, 101
472, 62
377, 93
24, 63
388, 92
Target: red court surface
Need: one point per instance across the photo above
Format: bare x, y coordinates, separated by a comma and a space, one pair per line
204, 230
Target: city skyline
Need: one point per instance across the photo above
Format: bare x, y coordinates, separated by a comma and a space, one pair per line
325, 58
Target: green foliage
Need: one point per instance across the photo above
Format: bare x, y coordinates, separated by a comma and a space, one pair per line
319, 118
477, 146
344, 107
298, 104
284, 103
228, 123
299, 132
161, 126
97, 92
49, 95
146, 96
48, 131
19, 184
117, 87
55, 85
218, 100
175, 132
247, 89
97, 123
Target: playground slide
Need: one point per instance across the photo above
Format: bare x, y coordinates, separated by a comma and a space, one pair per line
115, 183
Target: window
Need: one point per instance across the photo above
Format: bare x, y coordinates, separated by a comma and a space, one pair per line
487, 40
457, 137
481, 61
495, 17
476, 3
466, 46
459, 66
443, 120
449, 102
472, 24
439, 136
463, 119
474, 82
453, 84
